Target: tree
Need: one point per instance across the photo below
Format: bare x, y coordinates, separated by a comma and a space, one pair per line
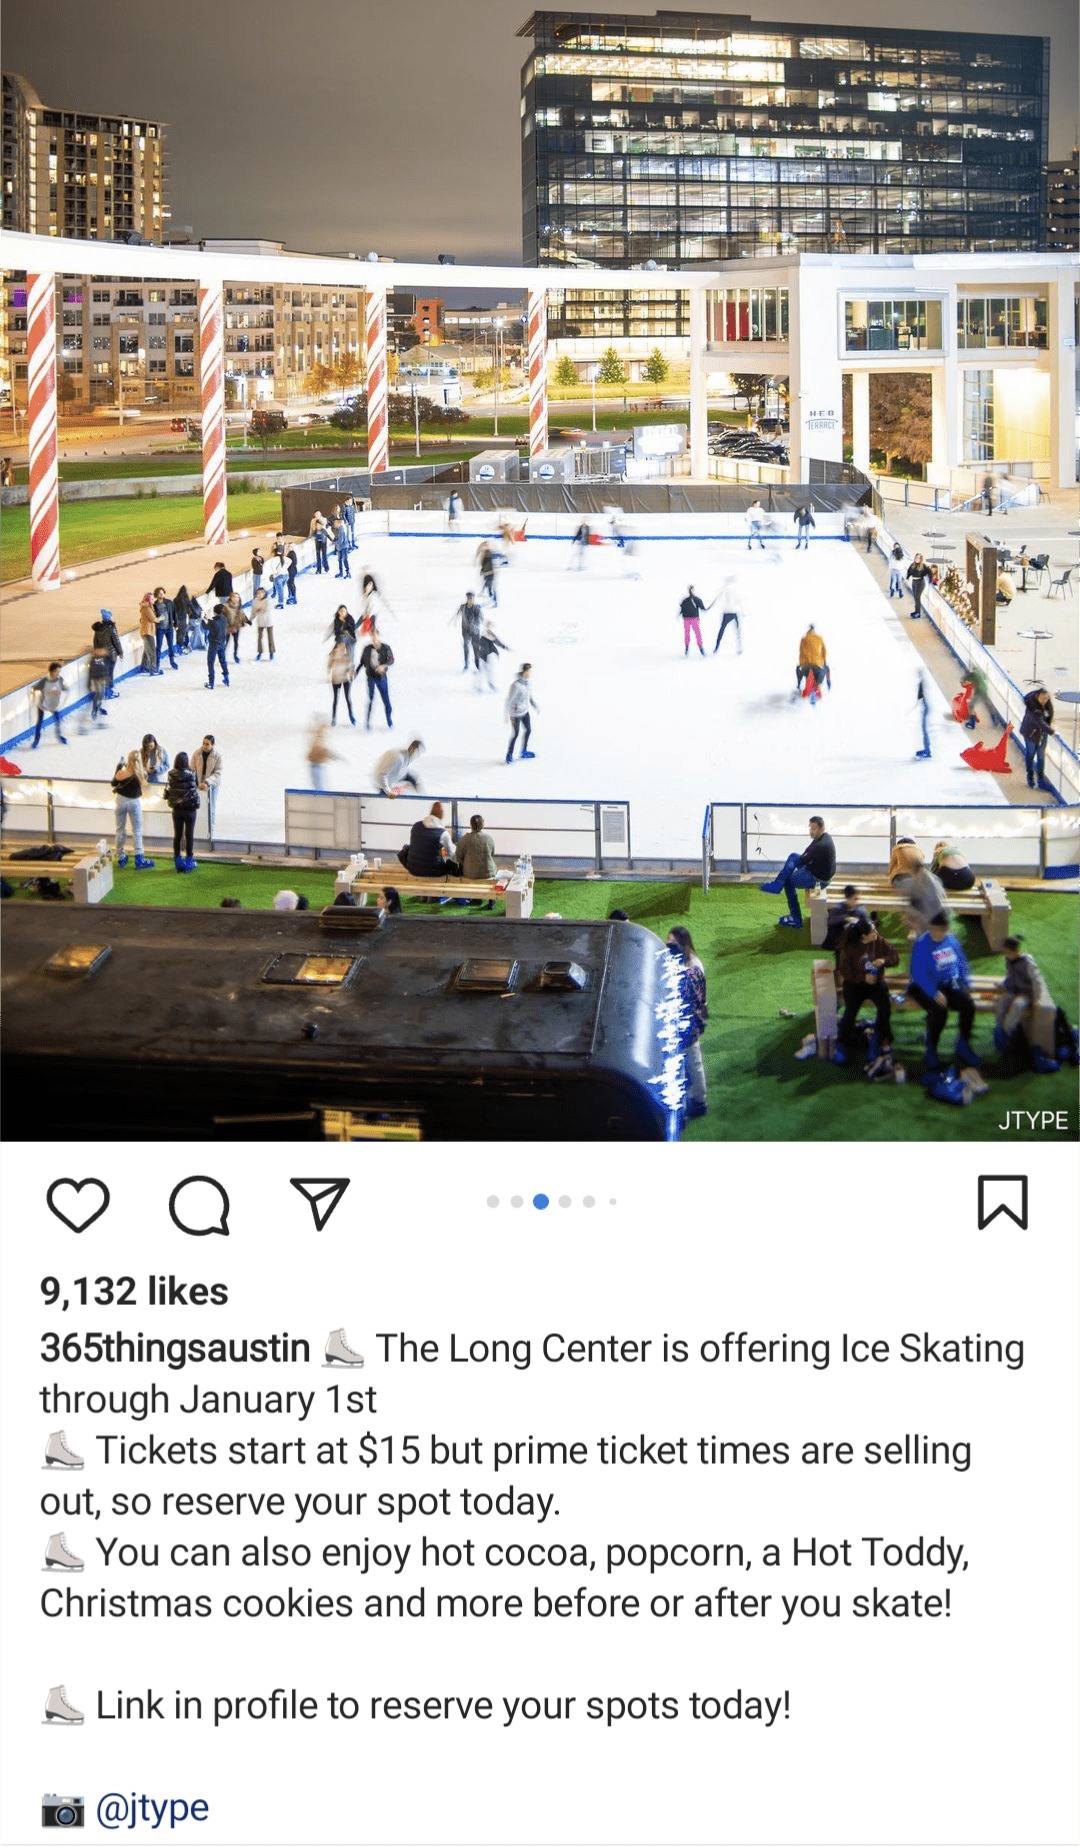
750, 386
656, 367
900, 415
611, 371
346, 371
65, 388
320, 379
566, 372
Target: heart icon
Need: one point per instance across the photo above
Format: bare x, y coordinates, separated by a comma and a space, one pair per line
74, 1212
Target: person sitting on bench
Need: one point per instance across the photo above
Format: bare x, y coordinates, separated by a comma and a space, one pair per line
841, 915
909, 872
814, 866
951, 868
941, 984
429, 853
1022, 990
863, 957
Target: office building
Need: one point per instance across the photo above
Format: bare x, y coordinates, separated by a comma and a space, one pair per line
686, 139
67, 173
1063, 203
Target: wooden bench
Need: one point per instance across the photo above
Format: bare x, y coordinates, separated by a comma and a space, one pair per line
91, 874
987, 900
1038, 1023
363, 878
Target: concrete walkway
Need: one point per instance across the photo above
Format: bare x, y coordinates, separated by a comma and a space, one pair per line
42, 626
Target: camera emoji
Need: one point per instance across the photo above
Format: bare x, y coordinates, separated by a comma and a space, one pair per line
63, 1812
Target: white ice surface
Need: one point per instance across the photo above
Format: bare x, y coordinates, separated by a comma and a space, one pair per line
623, 715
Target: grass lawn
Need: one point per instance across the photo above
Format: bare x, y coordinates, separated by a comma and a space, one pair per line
757, 1089
91, 529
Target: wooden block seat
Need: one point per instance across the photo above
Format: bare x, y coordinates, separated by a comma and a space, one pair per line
1038, 1023
987, 900
91, 874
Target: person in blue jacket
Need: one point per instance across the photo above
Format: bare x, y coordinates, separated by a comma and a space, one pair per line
941, 984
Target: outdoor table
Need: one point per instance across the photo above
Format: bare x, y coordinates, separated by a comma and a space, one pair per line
1035, 635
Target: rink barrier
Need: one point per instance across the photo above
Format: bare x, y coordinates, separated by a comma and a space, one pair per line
1004, 696
749, 837
330, 822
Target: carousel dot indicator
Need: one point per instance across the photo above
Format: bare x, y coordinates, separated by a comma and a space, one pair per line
588, 1200
493, 1199
565, 1200
517, 1200
541, 1201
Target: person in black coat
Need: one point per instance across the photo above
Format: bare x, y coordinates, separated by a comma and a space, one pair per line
430, 852
182, 795
917, 573
1036, 731
217, 634
376, 661
106, 635
165, 617
182, 613
221, 584
814, 866
291, 568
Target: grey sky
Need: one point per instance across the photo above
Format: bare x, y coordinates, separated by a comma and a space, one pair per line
389, 125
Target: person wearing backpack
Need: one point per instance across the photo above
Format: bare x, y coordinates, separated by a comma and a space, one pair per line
182, 795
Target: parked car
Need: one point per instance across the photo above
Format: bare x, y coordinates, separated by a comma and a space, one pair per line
268, 422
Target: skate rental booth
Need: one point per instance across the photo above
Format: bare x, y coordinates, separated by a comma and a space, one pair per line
996, 332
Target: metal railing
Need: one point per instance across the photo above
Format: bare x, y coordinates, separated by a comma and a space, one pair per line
552, 832
1027, 842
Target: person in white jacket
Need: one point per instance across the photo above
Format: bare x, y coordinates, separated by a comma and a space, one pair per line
519, 702
396, 767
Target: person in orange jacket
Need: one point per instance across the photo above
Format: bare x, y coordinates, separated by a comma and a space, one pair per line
812, 659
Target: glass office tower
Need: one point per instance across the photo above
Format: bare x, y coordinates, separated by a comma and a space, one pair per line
688, 138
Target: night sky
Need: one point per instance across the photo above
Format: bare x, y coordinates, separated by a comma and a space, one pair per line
388, 125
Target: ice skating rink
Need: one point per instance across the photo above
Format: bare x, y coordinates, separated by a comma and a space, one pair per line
623, 714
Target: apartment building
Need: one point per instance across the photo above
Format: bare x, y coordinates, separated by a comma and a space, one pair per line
70, 173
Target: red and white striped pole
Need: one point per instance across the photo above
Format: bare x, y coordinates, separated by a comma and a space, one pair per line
378, 383
538, 406
212, 380
41, 419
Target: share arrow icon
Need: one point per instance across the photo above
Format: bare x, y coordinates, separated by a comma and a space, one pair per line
322, 1196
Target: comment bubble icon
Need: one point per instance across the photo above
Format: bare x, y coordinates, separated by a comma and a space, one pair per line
199, 1206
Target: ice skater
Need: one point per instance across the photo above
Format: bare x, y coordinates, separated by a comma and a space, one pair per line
217, 634
396, 769
342, 547
519, 704
486, 565
730, 613
342, 673
896, 575
922, 706
804, 519
579, 547
343, 629
375, 663
263, 617
917, 573
468, 613
292, 566
691, 609
206, 765
97, 680
106, 635
48, 693
813, 666
317, 531
319, 752
487, 648
165, 618
453, 515
376, 607
127, 788
755, 522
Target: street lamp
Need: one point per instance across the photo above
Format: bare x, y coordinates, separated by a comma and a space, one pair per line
496, 327
594, 374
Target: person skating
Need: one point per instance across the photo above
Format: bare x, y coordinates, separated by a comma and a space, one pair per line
153, 764
812, 660
485, 564
182, 796
319, 752
941, 984
317, 531
488, 646
815, 865
342, 673
343, 629
922, 706
97, 680
730, 612
519, 705
804, 519
917, 573
376, 661
258, 563
397, 767
217, 634
127, 788
896, 575
106, 635
262, 616
148, 634
342, 547
453, 514
276, 576
579, 546
292, 565
235, 620
348, 514
468, 613
221, 584
206, 763
1036, 731
755, 523
165, 620
48, 694
182, 610
691, 609
376, 608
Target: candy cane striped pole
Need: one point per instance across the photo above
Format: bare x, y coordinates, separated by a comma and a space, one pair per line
378, 405
212, 380
538, 407
41, 419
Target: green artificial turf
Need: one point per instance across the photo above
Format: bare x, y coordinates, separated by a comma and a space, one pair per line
91, 529
757, 1088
